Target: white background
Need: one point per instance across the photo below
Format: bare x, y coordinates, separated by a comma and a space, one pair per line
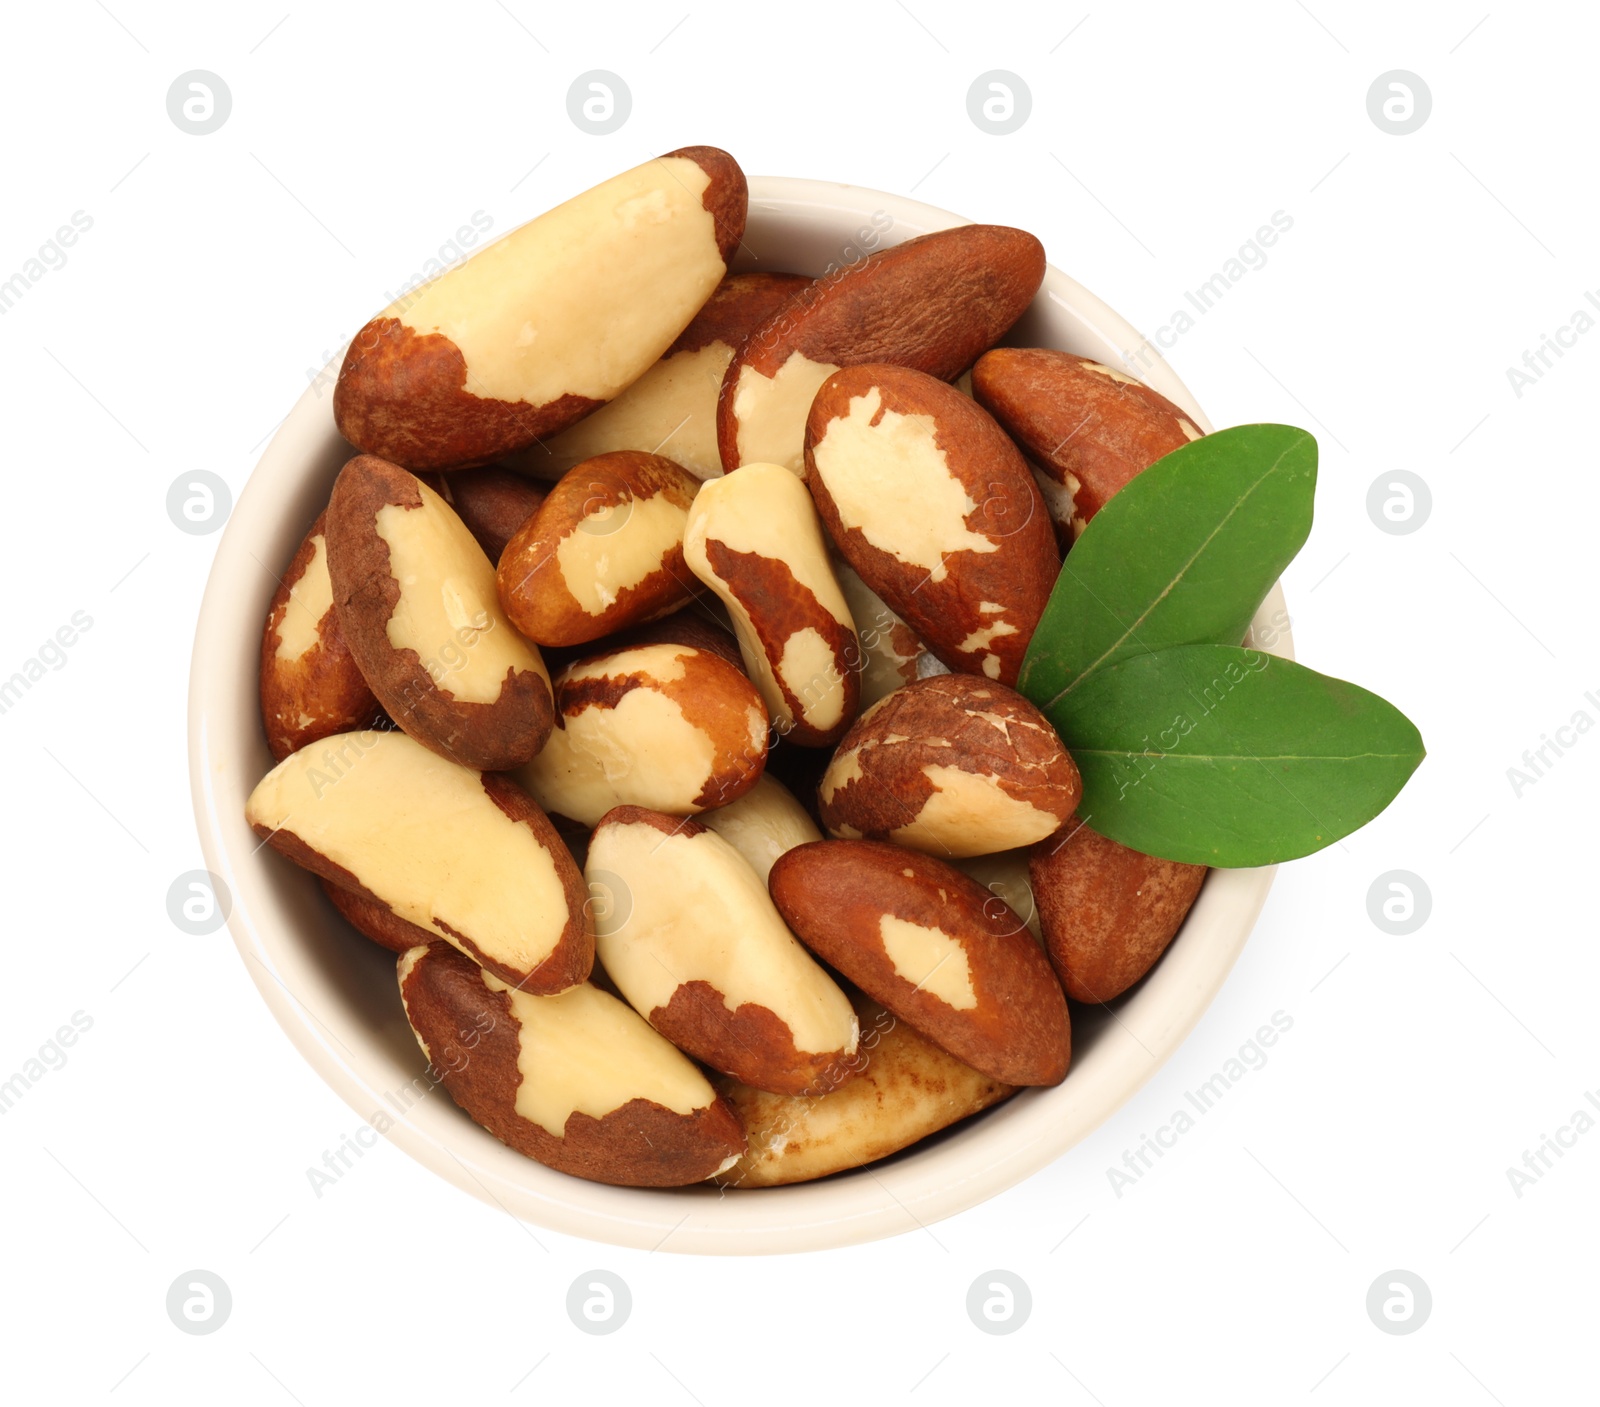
220, 269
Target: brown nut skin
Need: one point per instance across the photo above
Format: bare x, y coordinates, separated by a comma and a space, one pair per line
1089, 428
409, 396
490, 736
492, 502
933, 303
971, 583
672, 408
375, 920
610, 530
741, 304
951, 765
1107, 912
842, 898
471, 1035
318, 691
896, 1089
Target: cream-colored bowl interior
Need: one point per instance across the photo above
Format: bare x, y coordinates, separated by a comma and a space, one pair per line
334, 993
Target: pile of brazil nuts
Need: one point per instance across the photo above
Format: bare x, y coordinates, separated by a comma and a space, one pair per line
645, 578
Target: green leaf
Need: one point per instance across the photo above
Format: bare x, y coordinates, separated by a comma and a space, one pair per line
1224, 756
1183, 555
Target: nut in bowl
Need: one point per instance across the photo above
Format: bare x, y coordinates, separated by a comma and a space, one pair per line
472, 970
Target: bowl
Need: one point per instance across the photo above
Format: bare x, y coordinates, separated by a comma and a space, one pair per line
335, 994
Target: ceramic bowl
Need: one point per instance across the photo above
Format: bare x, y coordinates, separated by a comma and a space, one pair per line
334, 993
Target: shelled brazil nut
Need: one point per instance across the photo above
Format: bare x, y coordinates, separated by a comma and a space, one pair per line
664, 726
464, 854
576, 1080
417, 604
763, 824
753, 538
933, 947
1088, 427
603, 552
692, 940
953, 766
934, 507
1107, 912
501, 350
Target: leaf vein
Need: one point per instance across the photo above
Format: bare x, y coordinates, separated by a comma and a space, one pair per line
1130, 630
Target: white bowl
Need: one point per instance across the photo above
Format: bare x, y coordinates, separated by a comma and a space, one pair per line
335, 993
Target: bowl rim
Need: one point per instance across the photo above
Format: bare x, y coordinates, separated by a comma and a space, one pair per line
917, 1187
